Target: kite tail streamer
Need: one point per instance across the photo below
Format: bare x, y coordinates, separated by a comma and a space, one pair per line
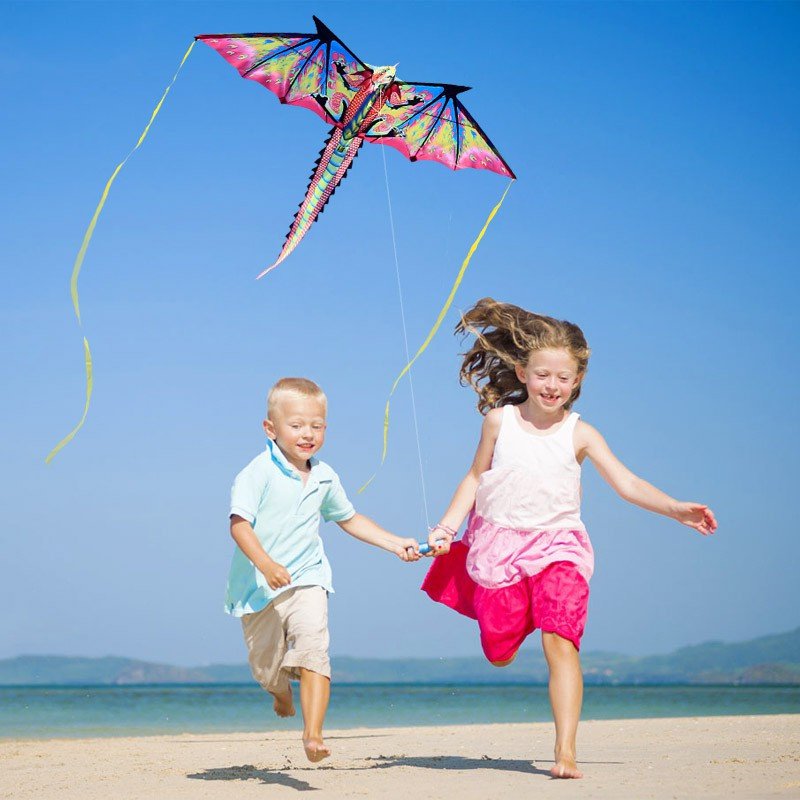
68, 438
76, 267
433, 330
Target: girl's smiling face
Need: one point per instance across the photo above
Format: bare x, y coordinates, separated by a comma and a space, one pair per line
550, 377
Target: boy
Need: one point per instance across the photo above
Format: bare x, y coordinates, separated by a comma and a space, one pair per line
280, 578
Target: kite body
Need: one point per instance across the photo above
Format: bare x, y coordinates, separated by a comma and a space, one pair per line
337, 156
424, 121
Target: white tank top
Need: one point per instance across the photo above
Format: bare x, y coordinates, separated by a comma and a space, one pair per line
535, 481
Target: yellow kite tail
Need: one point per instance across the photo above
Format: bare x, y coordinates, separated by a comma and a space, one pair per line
68, 438
76, 267
433, 330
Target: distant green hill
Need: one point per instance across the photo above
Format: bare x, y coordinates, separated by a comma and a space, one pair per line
768, 659
108, 670
717, 662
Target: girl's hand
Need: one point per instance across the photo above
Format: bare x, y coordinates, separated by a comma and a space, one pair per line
440, 538
276, 574
696, 516
407, 550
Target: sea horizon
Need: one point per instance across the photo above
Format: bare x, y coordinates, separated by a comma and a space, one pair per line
101, 711
773, 659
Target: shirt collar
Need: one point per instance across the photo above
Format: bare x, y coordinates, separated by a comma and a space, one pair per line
282, 463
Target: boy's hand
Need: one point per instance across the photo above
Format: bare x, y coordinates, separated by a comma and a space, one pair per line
407, 550
696, 516
276, 574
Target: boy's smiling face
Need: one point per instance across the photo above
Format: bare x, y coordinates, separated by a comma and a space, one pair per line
297, 425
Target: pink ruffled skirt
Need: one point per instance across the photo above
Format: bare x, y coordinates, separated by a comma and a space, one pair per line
513, 582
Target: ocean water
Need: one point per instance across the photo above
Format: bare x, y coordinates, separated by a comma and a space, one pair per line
83, 711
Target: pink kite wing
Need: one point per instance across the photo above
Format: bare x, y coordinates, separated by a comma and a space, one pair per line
303, 69
427, 121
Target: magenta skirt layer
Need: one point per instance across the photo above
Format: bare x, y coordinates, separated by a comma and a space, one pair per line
554, 600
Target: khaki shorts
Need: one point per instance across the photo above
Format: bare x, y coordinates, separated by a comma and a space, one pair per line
290, 633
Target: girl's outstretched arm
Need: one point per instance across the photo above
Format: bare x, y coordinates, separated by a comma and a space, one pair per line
464, 497
590, 444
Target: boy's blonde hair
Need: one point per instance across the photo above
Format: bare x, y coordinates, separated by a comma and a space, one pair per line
505, 336
297, 387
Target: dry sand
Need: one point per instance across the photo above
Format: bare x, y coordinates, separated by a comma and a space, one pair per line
719, 757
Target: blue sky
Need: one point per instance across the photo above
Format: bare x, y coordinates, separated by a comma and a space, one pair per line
656, 147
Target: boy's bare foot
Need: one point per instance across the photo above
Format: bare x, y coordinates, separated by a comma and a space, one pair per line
316, 749
283, 703
565, 767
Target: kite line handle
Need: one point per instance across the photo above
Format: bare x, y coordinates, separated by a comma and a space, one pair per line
425, 548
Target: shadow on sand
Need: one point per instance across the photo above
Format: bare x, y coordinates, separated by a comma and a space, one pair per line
248, 772
458, 763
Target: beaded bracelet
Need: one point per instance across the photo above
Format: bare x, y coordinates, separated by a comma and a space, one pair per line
446, 528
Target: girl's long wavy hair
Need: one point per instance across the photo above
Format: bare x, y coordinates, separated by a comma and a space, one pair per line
506, 336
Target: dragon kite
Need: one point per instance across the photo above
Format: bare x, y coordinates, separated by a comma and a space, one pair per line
424, 121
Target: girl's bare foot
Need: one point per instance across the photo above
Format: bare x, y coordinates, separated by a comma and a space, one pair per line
283, 703
565, 767
315, 748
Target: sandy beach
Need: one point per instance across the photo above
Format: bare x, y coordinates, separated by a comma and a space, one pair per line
707, 757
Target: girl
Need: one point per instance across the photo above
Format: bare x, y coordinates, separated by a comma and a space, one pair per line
526, 559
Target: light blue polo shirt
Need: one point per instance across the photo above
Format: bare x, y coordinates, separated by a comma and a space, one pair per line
269, 493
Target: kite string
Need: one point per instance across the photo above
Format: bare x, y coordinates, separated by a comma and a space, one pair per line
432, 332
405, 340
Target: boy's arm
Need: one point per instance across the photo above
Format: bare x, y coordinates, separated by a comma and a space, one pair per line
634, 489
245, 537
365, 530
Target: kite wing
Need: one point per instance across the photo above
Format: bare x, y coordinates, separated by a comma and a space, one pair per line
311, 70
427, 121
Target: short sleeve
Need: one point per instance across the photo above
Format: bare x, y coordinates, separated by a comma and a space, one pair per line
336, 507
249, 487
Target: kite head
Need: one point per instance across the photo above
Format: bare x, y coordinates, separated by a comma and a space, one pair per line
383, 76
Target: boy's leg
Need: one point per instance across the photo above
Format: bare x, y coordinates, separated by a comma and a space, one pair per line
566, 697
283, 702
315, 692
266, 647
306, 621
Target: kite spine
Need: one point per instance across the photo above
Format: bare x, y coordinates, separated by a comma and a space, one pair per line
334, 161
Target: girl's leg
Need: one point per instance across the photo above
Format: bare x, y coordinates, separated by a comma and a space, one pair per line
315, 692
566, 696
